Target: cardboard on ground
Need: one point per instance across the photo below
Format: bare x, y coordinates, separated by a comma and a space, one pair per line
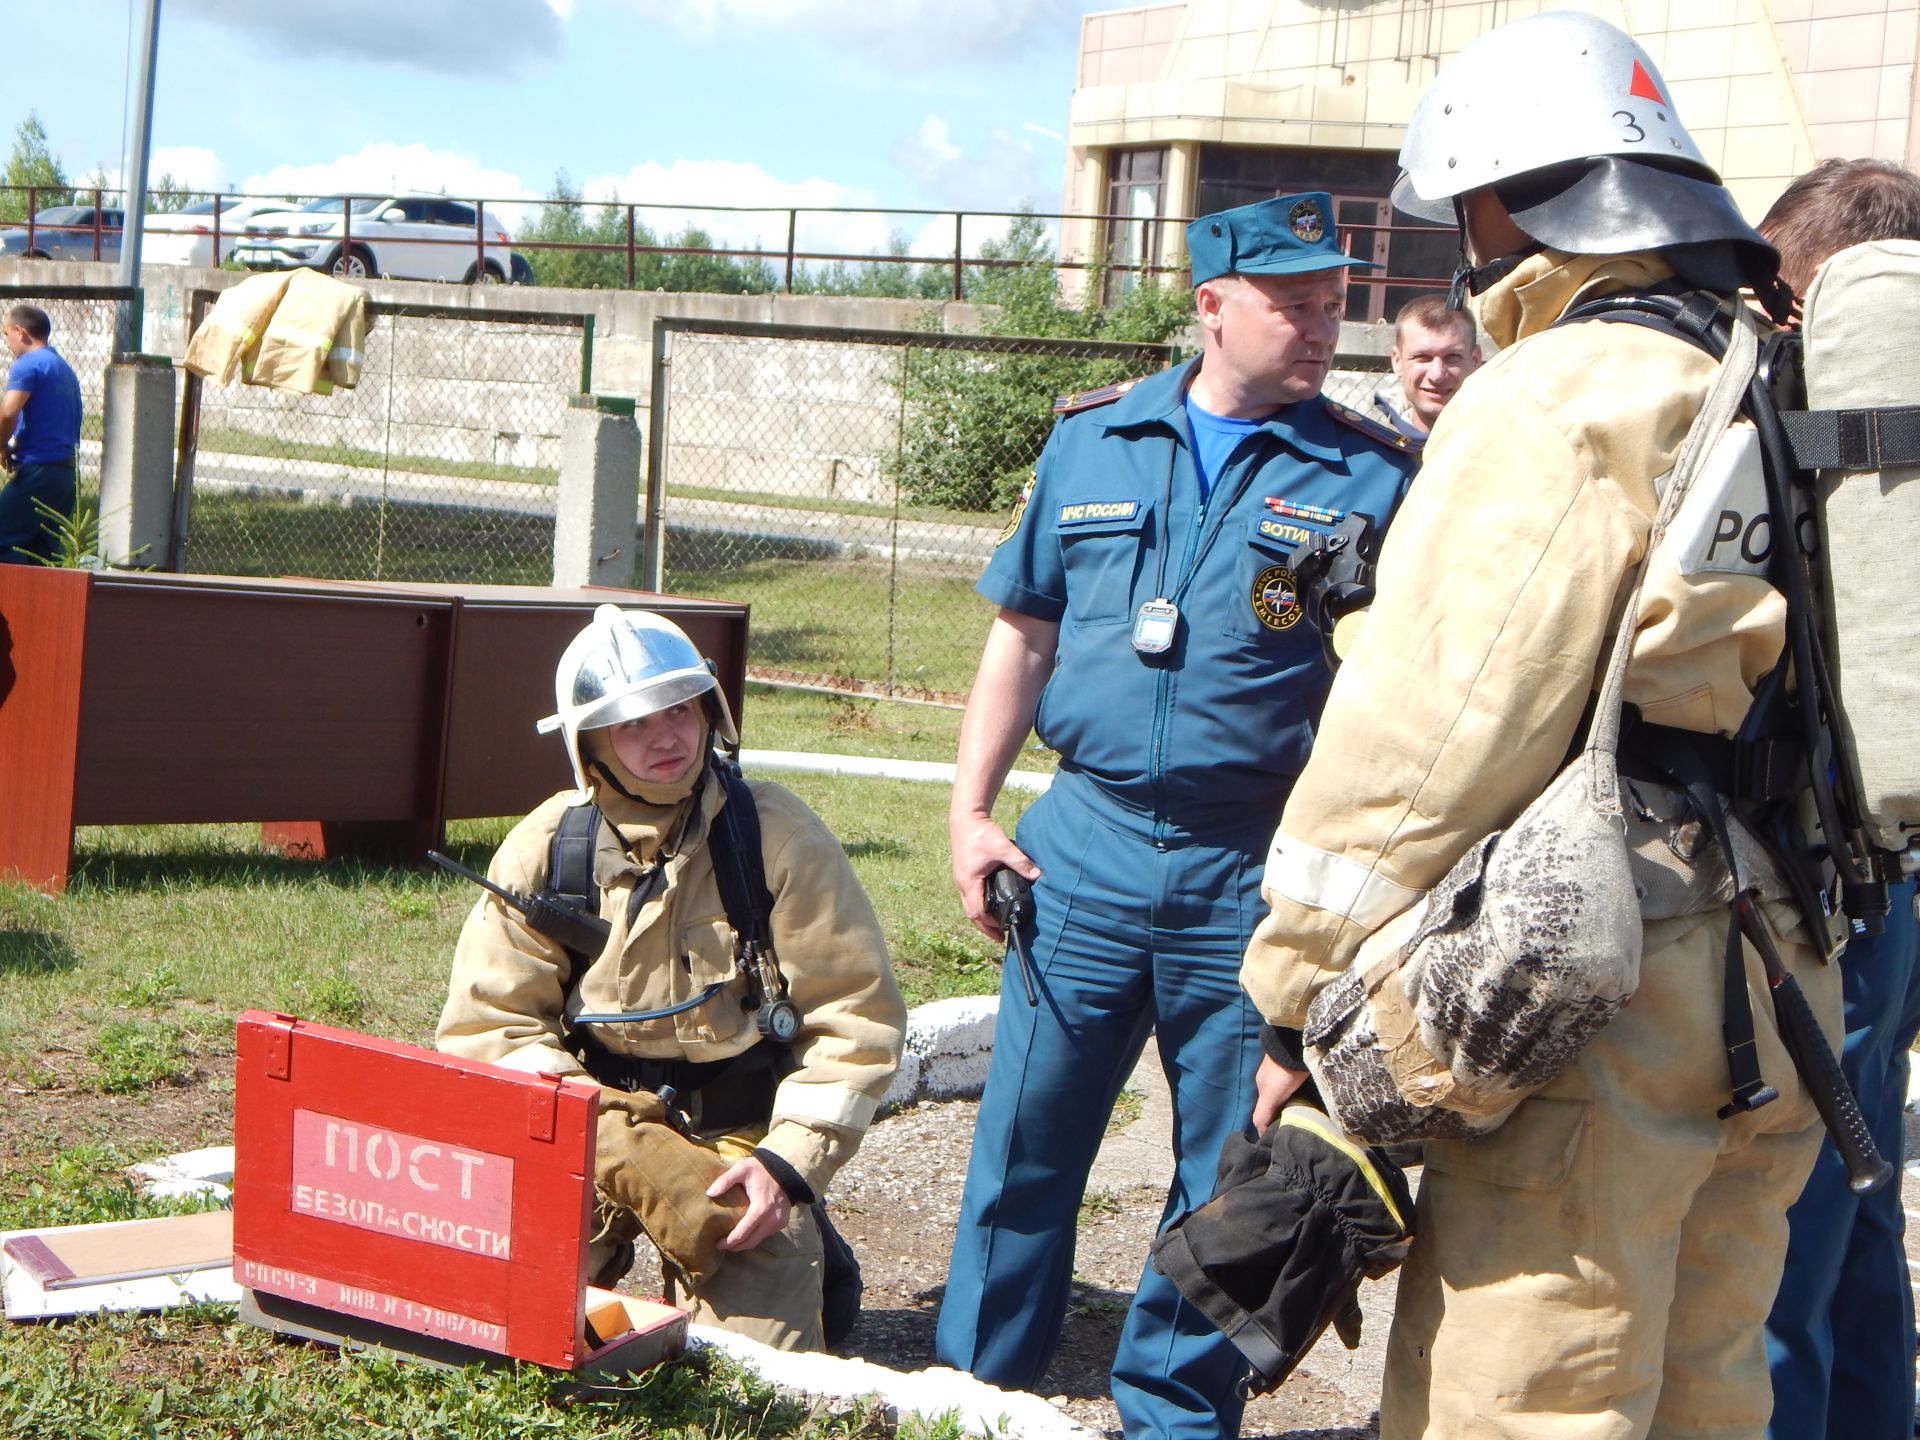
27, 1298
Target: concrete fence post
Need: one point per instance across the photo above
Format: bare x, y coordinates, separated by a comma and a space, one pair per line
136, 462
598, 504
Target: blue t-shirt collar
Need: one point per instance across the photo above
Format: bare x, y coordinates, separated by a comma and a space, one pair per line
1161, 399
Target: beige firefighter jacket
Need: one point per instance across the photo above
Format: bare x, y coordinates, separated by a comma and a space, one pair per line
295, 330
508, 988
234, 326
1500, 584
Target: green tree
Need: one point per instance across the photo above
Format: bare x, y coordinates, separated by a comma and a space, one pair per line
567, 220
976, 421
31, 163
892, 277
713, 274
168, 196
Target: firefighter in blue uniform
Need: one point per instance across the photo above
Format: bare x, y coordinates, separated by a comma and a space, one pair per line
1152, 630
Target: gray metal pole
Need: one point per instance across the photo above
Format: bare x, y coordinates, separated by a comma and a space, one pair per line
126, 332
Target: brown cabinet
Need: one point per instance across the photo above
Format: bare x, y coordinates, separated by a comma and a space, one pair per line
373, 712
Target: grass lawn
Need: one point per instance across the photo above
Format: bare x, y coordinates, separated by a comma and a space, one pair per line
168, 932
846, 616
198, 1374
117, 1006
255, 535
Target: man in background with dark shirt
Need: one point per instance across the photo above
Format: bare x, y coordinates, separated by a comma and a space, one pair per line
39, 433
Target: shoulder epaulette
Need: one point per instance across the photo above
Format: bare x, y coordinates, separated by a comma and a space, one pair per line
1373, 429
1088, 399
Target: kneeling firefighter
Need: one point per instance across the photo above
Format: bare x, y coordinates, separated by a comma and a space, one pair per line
698, 945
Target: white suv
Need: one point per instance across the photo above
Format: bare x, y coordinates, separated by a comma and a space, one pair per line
406, 237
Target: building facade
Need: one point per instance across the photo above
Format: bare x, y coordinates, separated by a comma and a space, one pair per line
1186, 108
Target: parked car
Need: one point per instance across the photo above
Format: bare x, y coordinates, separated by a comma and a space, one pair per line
520, 271
405, 237
65, 232
185, 237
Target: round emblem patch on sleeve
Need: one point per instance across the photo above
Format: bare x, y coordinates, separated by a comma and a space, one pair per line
1276, 598
1306, 222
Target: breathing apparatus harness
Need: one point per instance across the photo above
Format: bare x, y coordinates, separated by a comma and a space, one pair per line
566, 911
1789, 746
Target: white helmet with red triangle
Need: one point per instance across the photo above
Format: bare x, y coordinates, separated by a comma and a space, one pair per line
1538, 92
1567, 119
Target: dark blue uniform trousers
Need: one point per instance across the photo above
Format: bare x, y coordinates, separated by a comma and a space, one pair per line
24, 532
1840, 1340
1129, 937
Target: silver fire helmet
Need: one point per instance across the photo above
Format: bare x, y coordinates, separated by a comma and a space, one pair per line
626, 665
1569, 120
1539, 92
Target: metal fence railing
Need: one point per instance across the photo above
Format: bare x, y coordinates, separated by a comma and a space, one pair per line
440, 465
746, 248
83, 318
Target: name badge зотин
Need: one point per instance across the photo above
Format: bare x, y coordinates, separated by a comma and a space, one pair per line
1153, 626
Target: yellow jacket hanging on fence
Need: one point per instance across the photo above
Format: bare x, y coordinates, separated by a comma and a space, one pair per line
234, 326
300, 331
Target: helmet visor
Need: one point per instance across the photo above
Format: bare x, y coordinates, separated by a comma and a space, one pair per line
650, 697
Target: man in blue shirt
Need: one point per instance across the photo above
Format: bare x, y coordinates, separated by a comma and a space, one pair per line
1152, 629
39, 433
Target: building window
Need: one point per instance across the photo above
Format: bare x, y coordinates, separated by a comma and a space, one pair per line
1360, 182
1136, 199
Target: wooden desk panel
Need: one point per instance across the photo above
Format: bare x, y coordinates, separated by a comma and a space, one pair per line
375, 712
226, 704
508, 649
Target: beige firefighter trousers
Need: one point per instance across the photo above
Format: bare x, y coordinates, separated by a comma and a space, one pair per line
770, 1293
1600, 1268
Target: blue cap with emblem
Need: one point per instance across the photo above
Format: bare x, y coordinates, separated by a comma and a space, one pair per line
1287, 235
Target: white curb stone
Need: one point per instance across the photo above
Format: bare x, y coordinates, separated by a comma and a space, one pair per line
948, 1045
981, 1409
188, 1175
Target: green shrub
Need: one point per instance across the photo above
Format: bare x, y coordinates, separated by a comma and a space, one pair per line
976, 421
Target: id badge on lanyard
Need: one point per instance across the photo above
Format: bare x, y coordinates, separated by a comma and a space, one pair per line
1154, 625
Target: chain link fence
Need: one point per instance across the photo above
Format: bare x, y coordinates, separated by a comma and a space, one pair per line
1353, 380
440, 465
851, 484
83, 318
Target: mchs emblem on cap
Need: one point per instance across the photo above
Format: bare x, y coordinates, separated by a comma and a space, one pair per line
1287, 235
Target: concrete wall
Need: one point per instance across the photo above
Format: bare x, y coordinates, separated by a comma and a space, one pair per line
799, 419
623, 319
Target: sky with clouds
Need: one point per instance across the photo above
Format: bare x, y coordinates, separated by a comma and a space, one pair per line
903, 104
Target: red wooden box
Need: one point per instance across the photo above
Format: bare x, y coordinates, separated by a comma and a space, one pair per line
432, 1196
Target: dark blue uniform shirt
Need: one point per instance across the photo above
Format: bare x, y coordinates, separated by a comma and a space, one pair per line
1205, 739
